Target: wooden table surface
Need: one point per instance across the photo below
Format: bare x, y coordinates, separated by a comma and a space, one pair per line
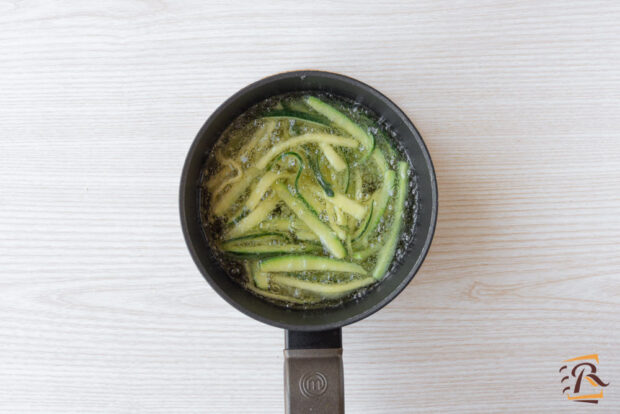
101, 307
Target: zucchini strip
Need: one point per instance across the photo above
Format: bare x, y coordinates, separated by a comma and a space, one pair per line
270, 249
267, 243
343, 122
306, 235
238, 175
235, 191
305, 139
332, 156
381, 199
349, 206
386, 254
379, 159
218, 177
251, 220
305, 263
366, 253
257, 236
331, 216
329, 291
358, 185
325, 185
258, 283
361, 230
261, 188
303, 212
340, 219
261, 279
309, 195
263, 131
282, 224
343, 202
347, 178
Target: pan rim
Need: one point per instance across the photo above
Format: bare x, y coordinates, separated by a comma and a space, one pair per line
187, 225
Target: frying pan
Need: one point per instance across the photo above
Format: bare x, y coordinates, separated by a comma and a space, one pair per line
313, 340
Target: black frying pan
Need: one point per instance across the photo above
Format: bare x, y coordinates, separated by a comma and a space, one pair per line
313, 355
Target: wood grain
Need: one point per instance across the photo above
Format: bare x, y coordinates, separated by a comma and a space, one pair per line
101, 308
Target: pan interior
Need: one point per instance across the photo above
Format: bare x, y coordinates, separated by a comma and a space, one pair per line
401, 273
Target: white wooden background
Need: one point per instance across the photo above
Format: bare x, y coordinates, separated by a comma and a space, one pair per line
101, 307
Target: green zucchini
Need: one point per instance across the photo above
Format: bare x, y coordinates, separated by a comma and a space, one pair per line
306, 215
302, 263
259, 283
261, 279
306, 235
252, 219
333, 157
270, 249
358, 185
305, 139
260, 237
235, 191
379, 158
325, 185
363, 227
343, 202
325, 290
386, 254
381, 199
282, 224
366, 253
343, 122
349, 206
346, 177
261, 188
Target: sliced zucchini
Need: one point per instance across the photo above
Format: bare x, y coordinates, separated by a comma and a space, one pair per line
381, 199
306, 215
386, 254
259, 283
262, 237
325, 185
263, 131
325, 290
306, 235
346, 176
302, 263
235, 191
282, 224
349, 206
261, 279
261, 188
379, 159
345, 123
358, 185
252, 219
341, 201
366, 253
305, 139
333, 157
270, 249
340, 218
361, 230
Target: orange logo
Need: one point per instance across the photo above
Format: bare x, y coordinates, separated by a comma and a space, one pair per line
578, 370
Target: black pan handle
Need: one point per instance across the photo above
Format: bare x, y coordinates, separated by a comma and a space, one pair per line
313, 375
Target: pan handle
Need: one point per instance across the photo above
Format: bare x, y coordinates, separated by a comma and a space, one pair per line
313, 375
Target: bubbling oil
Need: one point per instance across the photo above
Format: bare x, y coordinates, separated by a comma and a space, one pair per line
234, 158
